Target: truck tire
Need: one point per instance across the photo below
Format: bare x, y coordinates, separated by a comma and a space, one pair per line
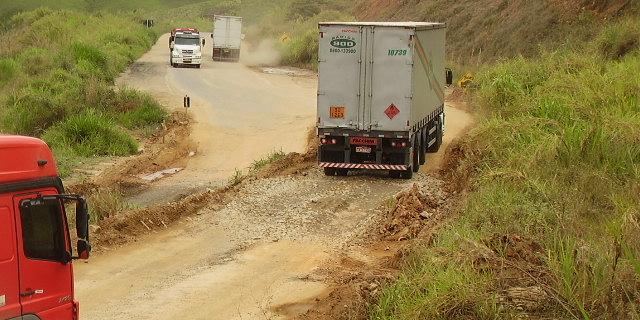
407, 174
329, 171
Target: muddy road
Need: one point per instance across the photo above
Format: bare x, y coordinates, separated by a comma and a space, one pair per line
262, 255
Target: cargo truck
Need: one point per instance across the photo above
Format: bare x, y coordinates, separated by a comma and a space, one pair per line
380, 95
36, 273
185, 46
227, 38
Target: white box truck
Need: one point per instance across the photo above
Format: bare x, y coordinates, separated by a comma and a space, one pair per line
185, 47
227, 38
380, 95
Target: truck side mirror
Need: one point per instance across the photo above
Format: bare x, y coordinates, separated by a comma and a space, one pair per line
203, 42
84, 248
449, 76
82, 228
211, 36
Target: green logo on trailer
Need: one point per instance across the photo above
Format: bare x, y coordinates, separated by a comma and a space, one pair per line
343, 42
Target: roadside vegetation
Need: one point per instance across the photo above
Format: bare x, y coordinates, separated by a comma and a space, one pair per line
57, 72
551, 227
290, 27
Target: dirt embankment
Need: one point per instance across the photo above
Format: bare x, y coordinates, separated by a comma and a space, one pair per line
168, 147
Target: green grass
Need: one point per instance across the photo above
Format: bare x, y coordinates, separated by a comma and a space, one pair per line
555, 159
57, 77
91, 134
272, 157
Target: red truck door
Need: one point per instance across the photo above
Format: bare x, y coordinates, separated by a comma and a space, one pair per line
46, 281
9, 283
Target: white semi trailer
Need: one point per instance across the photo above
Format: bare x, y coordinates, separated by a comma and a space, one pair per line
227, 38
380, 95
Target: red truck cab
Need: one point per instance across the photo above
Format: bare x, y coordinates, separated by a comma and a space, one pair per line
36, 273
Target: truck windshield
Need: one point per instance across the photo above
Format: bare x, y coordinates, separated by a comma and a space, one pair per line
187, 41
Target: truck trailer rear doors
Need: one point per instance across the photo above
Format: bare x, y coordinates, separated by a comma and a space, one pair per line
389, 90
341, 57
365, 72
227, 32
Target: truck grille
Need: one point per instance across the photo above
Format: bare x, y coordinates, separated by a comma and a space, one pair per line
187, 51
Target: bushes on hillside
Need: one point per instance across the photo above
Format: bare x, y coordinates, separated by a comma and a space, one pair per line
620, 39
61, 66
302, 48
91, 134
8, 70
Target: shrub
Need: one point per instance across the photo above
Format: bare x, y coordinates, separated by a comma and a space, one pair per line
9, 68
35, 61
91, 134
150, 112
32, 111
302, 50
619, 39
89, 57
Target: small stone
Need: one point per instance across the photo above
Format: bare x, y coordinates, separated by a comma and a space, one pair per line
426, 215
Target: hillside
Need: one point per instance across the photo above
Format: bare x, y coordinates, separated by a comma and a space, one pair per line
56, 82
8, 8
486, 30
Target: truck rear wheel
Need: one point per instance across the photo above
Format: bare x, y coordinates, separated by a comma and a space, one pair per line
329, 171
408, 174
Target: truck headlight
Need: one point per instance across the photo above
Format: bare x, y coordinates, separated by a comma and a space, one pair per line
176, 54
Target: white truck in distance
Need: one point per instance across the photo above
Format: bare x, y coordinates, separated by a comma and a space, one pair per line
380, 95
227, 38
186, 47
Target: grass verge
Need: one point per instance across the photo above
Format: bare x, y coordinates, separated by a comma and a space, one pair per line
554, 206
56, 82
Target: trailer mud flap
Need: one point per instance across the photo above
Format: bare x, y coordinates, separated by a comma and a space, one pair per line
363, 166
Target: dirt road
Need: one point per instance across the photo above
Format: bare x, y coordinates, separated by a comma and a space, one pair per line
266, 248
241, 115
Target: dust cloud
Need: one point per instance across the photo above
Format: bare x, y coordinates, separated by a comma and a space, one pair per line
265, 54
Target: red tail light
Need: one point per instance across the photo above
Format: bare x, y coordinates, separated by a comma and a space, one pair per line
399, 143
329, 141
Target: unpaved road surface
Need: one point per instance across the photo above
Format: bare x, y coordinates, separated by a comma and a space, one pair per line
241, 115
267, 247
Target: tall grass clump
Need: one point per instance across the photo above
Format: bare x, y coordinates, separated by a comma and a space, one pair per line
57, 72
553, 164
91, 134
